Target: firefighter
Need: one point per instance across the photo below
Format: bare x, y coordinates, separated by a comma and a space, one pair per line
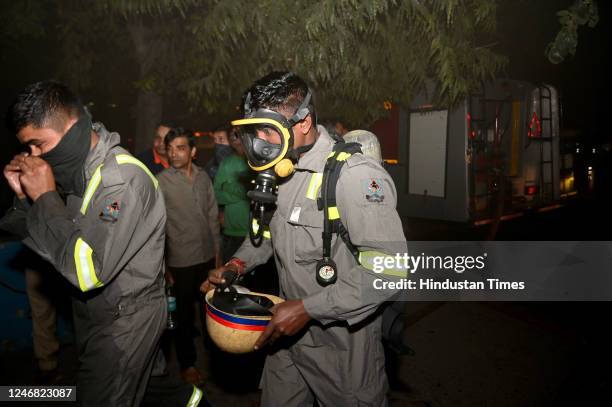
97, 214
331, 308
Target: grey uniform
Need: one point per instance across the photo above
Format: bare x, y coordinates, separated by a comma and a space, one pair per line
339, 359
110, 246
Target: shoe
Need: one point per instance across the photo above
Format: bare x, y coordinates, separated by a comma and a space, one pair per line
192, 375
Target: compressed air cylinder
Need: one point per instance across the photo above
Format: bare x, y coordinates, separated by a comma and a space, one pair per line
369, 143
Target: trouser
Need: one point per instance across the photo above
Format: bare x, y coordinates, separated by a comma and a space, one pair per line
334, 377
229, 246
117, 358
187, 281
165, 390
44, 319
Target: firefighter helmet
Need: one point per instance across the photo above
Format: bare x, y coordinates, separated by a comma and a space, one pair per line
236, 317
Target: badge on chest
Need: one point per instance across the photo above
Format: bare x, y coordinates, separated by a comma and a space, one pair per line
295, 214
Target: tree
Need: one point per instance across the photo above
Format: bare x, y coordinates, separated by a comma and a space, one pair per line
356, 54
580, 13
143, 51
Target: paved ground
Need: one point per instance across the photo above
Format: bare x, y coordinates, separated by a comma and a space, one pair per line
466, 354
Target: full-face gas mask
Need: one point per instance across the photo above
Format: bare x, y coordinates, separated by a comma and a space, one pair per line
270, 160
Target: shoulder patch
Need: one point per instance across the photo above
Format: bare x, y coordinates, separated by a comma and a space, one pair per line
373, 189
110, 211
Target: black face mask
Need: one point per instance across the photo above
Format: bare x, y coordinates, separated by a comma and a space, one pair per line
222, 151
67, 158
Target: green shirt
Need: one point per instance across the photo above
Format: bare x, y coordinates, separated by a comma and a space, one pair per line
231, 193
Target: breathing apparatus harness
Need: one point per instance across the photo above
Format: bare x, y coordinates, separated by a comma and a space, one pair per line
393, 324
326, 268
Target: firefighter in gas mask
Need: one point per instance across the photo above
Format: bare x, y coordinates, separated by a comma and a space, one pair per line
330, 310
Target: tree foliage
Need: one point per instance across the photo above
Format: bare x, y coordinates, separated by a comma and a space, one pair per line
580, 13
356, 54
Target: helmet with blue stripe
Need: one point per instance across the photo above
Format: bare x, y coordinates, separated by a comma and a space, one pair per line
236, 317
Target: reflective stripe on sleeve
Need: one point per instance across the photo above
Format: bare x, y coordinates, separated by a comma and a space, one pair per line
94, 182
195, 398
83, 260
314, 185
375, 261
128, 159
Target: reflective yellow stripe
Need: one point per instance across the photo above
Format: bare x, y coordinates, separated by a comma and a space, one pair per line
196, 396
91, 188
266, 232
343, 156
95, 180
333, 213
83, 260
314, 185
374, 261
330, 155
128, 159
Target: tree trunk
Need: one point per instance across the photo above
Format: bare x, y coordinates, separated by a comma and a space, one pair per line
147, 114
149, 104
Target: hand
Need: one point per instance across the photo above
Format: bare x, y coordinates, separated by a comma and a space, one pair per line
12, 171
36, 177
289, 318
215, 277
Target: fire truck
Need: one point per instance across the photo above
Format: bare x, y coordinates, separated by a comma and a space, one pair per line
494, 155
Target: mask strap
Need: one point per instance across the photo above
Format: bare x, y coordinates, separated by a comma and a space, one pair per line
302, 111
247, 104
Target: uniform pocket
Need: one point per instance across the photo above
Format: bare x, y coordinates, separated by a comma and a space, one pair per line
307, 224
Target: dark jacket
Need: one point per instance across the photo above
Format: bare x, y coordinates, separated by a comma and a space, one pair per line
109, 244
